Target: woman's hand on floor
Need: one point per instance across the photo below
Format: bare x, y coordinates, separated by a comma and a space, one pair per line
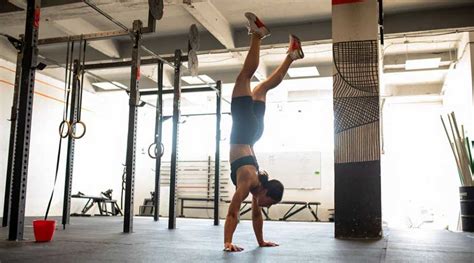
268, 244
229, 247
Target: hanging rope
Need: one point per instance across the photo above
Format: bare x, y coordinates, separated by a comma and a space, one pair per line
64, 123
67, 90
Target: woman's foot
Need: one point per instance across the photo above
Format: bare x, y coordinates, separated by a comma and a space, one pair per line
294, 49
256, 26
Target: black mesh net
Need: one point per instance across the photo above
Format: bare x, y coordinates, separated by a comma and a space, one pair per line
357, 64
356, 84
353, 112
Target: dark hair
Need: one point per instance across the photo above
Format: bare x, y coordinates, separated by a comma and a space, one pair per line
274, 187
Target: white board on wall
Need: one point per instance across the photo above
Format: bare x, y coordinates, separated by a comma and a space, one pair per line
296, 170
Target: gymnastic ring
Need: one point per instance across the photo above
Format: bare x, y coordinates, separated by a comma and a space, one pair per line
61, 129
156, 150
73, 135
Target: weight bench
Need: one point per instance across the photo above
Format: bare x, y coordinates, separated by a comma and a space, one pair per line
101, 204
243, 209
297, 206
300, 206
315, 212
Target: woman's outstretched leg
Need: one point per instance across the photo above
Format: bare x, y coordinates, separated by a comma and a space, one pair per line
294, 52
257, 31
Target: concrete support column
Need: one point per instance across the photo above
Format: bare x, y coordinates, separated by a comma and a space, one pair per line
356, 119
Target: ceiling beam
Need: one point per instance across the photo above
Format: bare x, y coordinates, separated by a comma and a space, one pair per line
74, 9
6, 7
77, 26
426, 20
413, 90
320, 31
396, 62
8, 53
397, 59
395, 24
151, 72
310, 32
18, 3
401, 68
212, 19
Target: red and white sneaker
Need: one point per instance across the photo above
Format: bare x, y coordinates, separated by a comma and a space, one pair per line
294, 49
256, 26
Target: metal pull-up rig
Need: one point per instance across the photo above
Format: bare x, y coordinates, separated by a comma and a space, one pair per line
22, 111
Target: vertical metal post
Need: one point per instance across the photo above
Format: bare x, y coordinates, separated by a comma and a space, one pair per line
380, 5
209, 176
217, 157
71, 145
174, 150
158, 140
24, 120
134, 102
13, 117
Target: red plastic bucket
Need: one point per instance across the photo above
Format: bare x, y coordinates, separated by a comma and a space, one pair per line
44, 230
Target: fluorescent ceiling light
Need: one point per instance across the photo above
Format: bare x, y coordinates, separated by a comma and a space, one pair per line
200, 79
109, 86
303, 72
422, 63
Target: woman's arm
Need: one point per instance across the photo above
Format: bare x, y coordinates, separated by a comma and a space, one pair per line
257, 222
232, 217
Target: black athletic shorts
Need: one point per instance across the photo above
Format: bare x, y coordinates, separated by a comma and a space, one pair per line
247, 120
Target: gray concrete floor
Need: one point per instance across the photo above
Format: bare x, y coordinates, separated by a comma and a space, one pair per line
99, 239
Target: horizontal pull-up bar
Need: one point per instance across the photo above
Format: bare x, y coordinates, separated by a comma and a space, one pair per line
170, 91
128, 63
88, 37
94, 75
196, 114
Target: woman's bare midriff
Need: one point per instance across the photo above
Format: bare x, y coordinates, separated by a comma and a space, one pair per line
239, 150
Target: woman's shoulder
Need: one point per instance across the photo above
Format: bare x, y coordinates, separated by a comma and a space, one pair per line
248, 174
